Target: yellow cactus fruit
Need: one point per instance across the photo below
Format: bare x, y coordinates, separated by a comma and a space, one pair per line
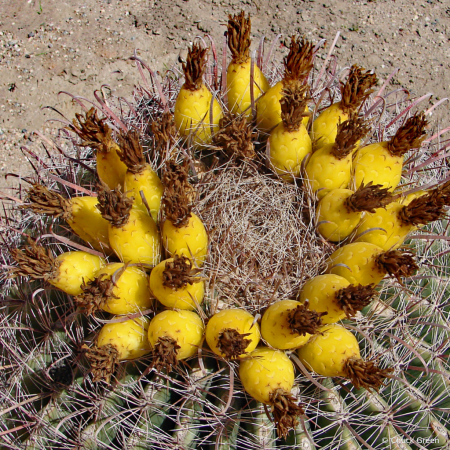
268, 376
330, 167
335, 296
81, 213
297, 65
364, 263
176, 284
118, 289
190, 240
193, 107
140, 177
232, 333
66, 272
239, 70
117, 342
355, 91
174, 335
384, 228
389, 227
334, 352
382, 162
288, 324
341, 210
183, 233
95, 133
133, 234
289, 142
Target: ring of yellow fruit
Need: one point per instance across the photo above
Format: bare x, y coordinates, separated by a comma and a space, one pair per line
232, 333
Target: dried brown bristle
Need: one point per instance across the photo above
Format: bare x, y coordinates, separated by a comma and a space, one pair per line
178, 193
176, 176
348, 134
232, 343
352, 299
357, 88
44, 201
236, 137
397, 263
180, 272
164, 132
103, 361
444, 192
424, 209
177, 207
195, 67
165, 353
304, 321
96, 293
34, 262
94, 132
114, 205
130, 151
285, 411
365, 374
299, 61
368, 198
410, 135
293, 106
239, 40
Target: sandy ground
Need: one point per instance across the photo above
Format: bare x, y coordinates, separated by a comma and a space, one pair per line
48, 46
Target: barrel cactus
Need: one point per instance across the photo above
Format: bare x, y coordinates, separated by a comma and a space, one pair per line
217, 215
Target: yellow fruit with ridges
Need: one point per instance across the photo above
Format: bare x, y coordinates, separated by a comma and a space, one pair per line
74, 268
324, 172
111, 170
356, 263
130, 293
264, 371
192, 114
236, 319
328, 350
138, 240
190, 240
374, 163
187, 297
185, 327
324, 128
320, 292
129, 337
339, 222
149, 183
87, 222
238, 85
393, 232
275, 326
287, 150
268, 109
